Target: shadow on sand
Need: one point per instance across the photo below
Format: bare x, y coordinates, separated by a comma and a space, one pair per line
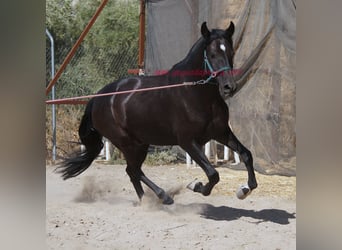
224, 213
228, 213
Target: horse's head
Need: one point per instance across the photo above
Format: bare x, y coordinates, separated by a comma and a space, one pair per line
219, 55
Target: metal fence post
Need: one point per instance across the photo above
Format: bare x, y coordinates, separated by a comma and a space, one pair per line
52, 51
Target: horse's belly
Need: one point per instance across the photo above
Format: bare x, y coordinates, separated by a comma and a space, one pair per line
155, 136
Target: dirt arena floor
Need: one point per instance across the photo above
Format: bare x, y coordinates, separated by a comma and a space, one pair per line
100, 210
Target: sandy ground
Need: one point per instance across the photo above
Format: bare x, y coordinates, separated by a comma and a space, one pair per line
99, 210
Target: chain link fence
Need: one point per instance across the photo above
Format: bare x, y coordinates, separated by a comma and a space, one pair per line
89, 70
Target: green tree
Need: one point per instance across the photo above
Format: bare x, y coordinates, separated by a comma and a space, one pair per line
61, 22
114, 37
109, 49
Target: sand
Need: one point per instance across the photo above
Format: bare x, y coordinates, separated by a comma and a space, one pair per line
100, 210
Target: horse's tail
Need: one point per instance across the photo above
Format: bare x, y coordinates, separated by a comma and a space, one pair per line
92, 141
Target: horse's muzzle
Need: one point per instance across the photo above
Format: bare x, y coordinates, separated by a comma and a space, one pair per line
230, 86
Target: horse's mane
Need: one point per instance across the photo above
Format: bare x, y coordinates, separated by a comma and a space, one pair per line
198, 45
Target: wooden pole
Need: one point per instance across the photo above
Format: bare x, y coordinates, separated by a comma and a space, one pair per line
141, 35
76, 45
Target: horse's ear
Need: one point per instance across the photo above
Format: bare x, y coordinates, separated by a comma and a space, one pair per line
230, 30
205, 31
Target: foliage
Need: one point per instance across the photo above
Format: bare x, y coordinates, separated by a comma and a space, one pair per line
108, 51
61, 22
112, 38
117, 157
160, 158
155, 158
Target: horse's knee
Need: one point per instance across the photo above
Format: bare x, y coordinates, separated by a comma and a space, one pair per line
247, 157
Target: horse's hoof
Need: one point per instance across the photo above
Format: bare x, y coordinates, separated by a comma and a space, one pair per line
191, 185
168, 201
243, 191
195, 186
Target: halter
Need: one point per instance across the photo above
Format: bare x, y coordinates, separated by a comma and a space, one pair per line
213, 73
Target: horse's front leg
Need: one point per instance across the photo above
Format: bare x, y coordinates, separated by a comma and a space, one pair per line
230, 140
194, 150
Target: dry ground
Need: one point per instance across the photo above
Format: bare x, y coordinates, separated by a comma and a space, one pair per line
99, 210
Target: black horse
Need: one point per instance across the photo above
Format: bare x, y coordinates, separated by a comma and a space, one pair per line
188, 116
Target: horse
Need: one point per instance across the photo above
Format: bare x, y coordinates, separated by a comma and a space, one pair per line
188, 116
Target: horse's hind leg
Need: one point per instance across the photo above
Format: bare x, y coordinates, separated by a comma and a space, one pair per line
135, 156
167, 200
135, 179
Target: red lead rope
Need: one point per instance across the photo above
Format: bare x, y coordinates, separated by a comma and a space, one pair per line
74, 99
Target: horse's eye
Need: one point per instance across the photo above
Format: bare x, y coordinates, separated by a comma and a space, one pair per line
212, 56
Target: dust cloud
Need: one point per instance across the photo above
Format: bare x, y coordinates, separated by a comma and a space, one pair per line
92, 190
